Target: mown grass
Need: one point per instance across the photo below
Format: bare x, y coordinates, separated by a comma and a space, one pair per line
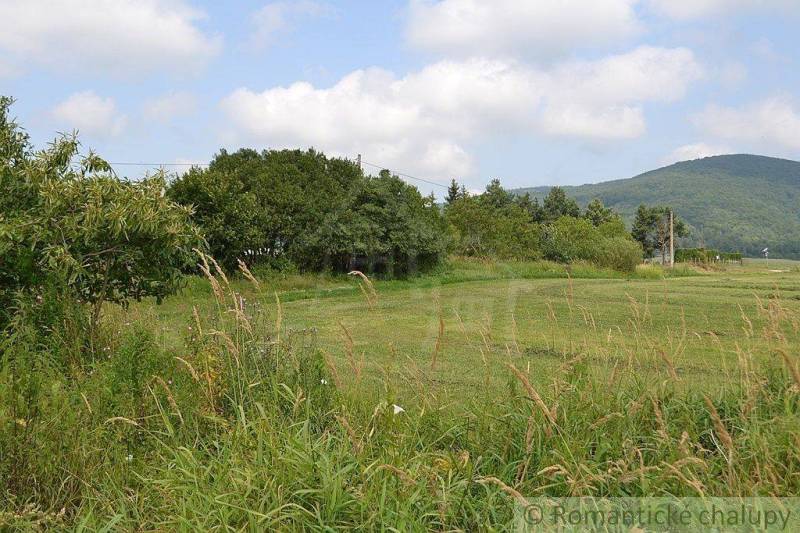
417, 408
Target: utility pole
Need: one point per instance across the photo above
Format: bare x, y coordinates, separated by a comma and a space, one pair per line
359, 161
671, 239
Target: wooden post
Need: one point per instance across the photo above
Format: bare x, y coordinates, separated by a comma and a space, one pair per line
359, 161
671, 239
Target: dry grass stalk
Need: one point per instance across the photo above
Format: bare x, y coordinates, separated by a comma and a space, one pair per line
355, 442
170, 398
438, 344
230, 345
532, 394
791, 366
404, 476
522, 469
332, 369
248, 275
278, 317
367, 288
748, 331
570, 292
514, 334
349, 350
722, 432
670, 366
694, 483
602, 420
196, 316
206, 270
662, 426
491, 480
122, 419
86, 401
189, 367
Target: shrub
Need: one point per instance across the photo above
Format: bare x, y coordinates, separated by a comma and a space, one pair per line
74, 221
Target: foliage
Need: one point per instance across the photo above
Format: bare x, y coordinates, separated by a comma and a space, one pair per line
498, 224
598, 214
652, 226
577, 239
73, 221
557, 204
316, 212
481, 230
731, 203
253, 427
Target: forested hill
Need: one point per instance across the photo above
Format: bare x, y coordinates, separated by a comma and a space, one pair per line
731, 202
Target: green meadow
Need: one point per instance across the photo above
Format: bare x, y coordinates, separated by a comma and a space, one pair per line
455, 330
438, 402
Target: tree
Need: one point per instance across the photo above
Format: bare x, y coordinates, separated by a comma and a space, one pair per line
75, 222
453, 192
651, 229
557, 204
598, 214
315, 212
496, 196
531, 206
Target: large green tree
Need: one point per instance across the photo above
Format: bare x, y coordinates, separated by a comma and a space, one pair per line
316, 212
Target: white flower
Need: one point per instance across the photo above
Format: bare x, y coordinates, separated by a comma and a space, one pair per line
323, 381
398, 409
129, 458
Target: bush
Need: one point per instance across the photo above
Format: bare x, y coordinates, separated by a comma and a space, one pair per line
72, 220
608, 245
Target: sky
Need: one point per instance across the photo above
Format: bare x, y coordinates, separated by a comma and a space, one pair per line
532, 92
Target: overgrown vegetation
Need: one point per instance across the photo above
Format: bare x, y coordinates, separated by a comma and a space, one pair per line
236, 417
499, 224
250, 425
303, 210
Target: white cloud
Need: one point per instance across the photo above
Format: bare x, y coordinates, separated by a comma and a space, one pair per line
91, 114
602, 99
425, 121
693, 9
695, 151
541, 28
169, 106
771, 122
277, 17
121, 37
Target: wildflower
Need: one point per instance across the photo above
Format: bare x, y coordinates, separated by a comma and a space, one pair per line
323, 381
129, 458
397, 409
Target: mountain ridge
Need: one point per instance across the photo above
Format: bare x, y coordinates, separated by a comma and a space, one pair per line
738, 202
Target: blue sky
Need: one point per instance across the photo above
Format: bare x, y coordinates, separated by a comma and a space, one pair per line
529, 91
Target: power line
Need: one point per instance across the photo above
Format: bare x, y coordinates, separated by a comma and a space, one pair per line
382, 167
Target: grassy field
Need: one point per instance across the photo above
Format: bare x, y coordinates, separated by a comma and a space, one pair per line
439, 402
532, 314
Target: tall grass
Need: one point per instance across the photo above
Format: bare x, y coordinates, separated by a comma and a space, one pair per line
250, 426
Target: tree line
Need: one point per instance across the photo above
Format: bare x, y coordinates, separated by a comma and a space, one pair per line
70, 225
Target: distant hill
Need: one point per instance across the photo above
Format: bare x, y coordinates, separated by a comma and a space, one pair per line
731, 202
